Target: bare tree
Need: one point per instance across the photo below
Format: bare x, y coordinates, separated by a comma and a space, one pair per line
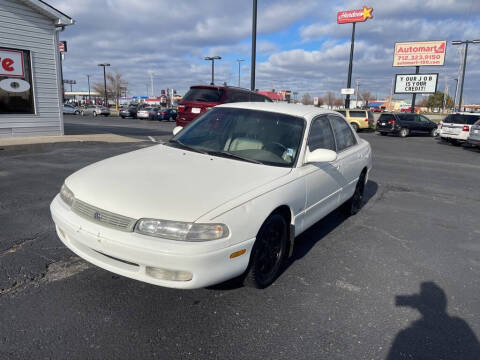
307, 99
366, 96
330, 99
338, 102
115, 86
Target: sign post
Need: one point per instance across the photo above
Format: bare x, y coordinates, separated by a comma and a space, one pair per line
352, 16
424, 53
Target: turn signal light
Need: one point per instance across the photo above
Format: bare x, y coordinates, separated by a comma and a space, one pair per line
238, 253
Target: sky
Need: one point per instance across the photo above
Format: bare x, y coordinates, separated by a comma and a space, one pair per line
300, 47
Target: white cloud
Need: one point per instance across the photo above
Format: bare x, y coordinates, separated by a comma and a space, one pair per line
172, 39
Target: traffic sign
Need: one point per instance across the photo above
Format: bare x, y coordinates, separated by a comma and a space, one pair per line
350, 91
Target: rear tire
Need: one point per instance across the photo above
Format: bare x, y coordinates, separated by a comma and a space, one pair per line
404, 132
354, 204
268, 253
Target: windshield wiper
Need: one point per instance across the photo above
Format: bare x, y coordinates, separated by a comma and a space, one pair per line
234, 156
187, 147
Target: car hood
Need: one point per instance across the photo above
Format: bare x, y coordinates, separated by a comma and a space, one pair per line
164, 182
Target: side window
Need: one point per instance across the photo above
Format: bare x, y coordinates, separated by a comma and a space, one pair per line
321, 135
343, 112
343, 133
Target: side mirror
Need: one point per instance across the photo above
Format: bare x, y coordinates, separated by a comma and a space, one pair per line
320, 155
177, 129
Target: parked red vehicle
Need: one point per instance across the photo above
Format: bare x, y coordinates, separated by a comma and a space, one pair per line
409, 109
201, 98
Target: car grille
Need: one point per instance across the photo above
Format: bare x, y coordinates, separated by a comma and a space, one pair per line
104, 217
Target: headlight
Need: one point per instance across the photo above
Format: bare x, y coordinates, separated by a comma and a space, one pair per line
67, 195
181, 231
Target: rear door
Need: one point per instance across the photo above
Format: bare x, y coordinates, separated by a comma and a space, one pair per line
386, 122
347, 162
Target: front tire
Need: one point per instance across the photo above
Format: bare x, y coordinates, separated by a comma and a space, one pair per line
268, 253
94, 114
354, 126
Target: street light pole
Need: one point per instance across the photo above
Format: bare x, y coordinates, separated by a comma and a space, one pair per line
254, 45
466, 42
88, 79
239, 61
455, 96
105, 83
212, 59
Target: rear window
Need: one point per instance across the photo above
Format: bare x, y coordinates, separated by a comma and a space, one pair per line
462, 119
370, 115
203, 94
386, 117
358, 114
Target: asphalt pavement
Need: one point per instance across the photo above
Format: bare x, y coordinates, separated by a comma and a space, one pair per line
400, 280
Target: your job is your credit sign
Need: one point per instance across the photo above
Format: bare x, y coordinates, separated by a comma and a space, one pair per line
416, 83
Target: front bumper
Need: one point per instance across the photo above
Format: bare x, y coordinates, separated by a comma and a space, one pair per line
130, 254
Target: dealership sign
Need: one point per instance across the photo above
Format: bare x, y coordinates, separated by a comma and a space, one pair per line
416, 83
425, 53
11, 63
352, 16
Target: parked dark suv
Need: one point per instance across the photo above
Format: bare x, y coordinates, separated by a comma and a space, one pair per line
404, 124
201, 98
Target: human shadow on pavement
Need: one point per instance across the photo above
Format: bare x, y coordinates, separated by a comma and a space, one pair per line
436, 335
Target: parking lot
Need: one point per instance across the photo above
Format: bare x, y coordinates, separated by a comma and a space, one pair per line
339, 296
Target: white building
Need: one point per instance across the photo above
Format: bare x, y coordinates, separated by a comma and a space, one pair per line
30, 71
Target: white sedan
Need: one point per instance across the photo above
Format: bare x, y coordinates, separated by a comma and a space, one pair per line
224, 198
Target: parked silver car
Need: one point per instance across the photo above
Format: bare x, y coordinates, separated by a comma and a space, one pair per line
474, 136
95, 110
149, 113
71, 110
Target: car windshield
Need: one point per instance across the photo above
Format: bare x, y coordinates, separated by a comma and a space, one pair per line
248, 135
203, 94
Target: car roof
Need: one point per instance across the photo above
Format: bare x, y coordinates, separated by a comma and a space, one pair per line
307, 111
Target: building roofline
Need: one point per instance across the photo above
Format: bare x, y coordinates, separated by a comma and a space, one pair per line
60, 18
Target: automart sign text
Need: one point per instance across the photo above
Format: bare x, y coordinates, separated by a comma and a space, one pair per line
426, 53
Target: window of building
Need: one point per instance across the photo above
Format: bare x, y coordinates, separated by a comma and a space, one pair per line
16, 86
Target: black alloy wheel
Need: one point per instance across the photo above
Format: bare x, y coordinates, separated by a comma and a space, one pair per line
354, 204
268, 252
